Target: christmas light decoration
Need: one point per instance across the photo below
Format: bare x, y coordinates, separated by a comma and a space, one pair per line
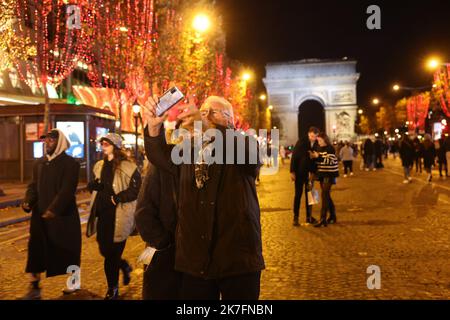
59, 32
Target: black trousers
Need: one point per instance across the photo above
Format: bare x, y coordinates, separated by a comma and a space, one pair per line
110, 250
443, 166
327, 202
300, 185
241, 287
348, 166
161, 281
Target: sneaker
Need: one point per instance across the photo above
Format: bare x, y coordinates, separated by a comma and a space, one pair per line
406, 181
429, 178
345, 176
409, 179
374, 169
367, 169
351, 174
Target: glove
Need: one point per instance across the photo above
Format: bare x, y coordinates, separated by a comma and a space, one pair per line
115, 199
96, 185
26, 207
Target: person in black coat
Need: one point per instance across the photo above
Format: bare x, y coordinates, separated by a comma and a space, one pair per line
218, 236
379, 151
55, 230
369, 154
156, 219
418, 154
301, 168
407, 155
442, 158
429, 156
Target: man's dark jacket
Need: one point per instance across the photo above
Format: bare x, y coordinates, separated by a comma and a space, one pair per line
301, 163
54, 243
218, 233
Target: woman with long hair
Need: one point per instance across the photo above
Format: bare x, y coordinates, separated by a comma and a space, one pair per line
327, 172
114, 192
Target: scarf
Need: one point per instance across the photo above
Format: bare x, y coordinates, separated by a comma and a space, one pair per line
62, 145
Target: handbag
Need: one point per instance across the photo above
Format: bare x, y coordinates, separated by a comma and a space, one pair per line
313, 197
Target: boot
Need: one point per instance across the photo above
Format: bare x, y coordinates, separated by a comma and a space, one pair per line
322, 223
126, 269
34, 293
332, 220
311, 220
112, 294
295, 223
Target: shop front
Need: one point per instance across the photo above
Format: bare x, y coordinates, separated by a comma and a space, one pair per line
22, 125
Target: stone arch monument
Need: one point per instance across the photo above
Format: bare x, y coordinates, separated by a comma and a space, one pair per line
313, 92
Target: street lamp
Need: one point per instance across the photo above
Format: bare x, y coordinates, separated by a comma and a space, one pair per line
136, 112
262, 97
360, 111
201, 23
246, 76
375, 101
396, 87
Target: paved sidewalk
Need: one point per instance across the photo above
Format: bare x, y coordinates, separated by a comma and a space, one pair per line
403, 229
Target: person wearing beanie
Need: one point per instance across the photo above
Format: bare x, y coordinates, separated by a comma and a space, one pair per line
55, 230
114, 191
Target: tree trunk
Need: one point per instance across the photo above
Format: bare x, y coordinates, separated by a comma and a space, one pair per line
46, 110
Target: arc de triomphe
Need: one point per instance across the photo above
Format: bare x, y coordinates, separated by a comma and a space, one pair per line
313, 92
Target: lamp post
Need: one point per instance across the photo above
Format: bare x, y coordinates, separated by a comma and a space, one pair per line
136, 111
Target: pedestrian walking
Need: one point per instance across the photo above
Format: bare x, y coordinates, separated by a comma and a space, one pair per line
447, 149
378, 150
369, 154
407, 155
418, 154
442, 160
55, 230
346, 155
114, 188
327, 172
302, 168
429, 156
218, 239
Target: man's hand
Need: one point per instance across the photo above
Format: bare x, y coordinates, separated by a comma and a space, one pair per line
26, 207
293, 176
151, 119
48, 215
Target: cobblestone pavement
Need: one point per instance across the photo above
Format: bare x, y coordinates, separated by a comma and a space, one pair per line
403, 229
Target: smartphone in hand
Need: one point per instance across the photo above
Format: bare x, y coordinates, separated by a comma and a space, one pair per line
170, 98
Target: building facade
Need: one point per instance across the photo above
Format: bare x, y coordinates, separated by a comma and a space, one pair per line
313, 92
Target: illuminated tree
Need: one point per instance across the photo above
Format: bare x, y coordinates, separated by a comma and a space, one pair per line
12, 47
122, 42
57, 30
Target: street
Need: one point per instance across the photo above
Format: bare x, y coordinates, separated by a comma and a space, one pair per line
402, 229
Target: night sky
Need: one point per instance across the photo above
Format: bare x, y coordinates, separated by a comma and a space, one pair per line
263, 31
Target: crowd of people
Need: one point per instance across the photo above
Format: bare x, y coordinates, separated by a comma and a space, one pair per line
200, 220
425, 154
